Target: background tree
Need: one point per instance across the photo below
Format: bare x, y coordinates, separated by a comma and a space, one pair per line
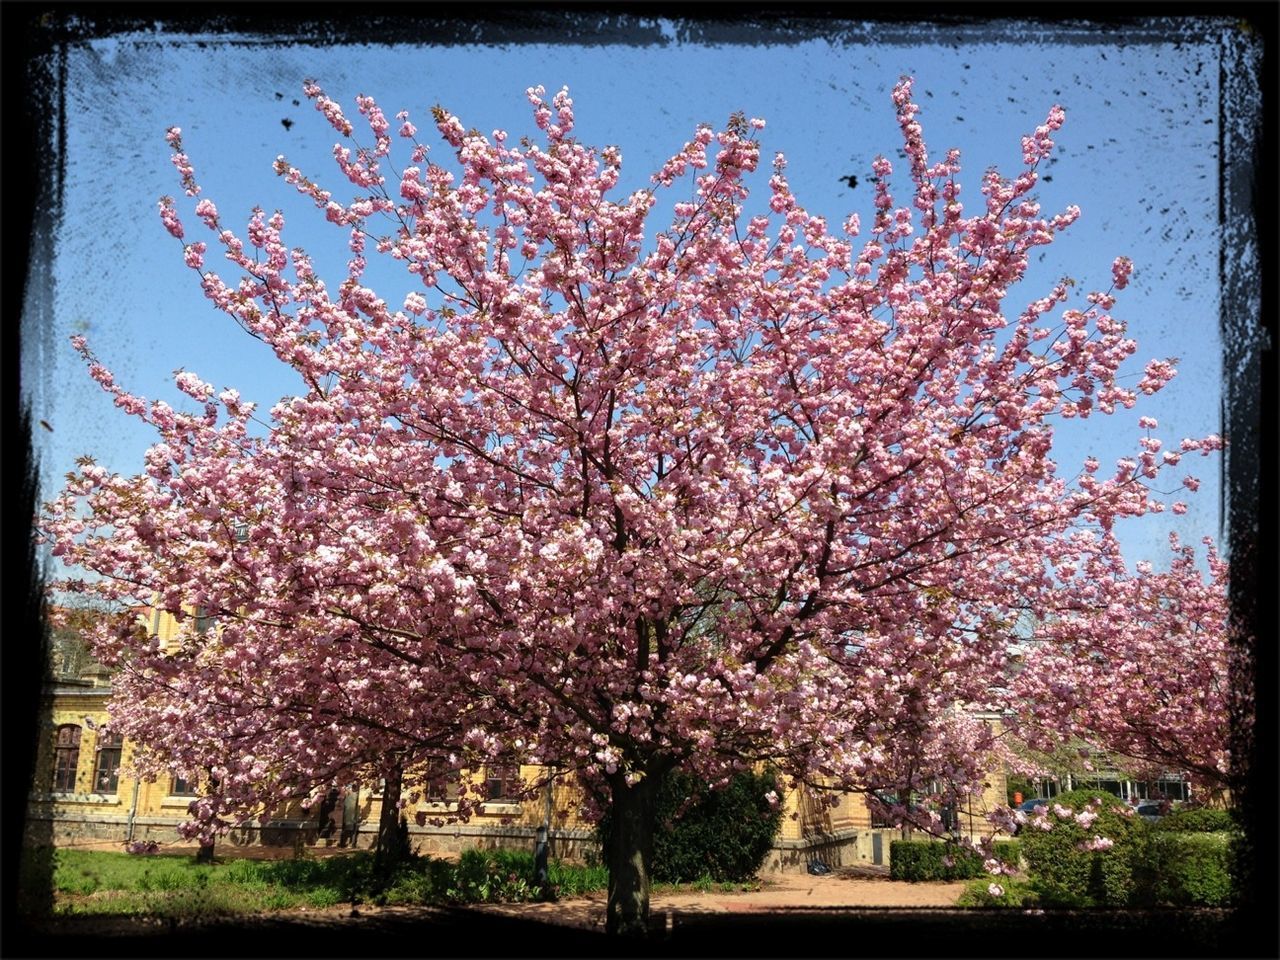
69, 654
723, 493
1139, 669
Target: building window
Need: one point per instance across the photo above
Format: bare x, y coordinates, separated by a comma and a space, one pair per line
66, 758
203, 621
442, 781
881, 819
182, 787
502, 782
106, 776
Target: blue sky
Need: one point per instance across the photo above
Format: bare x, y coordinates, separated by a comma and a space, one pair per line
1138, 154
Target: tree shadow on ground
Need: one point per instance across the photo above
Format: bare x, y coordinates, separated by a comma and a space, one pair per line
413, 932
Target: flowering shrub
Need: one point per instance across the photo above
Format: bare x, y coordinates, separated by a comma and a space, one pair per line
1012, 892
916, 860
1078, 850
141, 846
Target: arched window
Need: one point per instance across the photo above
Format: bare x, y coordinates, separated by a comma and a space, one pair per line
106, 774
66, 757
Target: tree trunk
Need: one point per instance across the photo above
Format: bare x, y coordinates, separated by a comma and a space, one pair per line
391, 846
630, 855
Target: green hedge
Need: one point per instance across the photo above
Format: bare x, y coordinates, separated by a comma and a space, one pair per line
916, 860
1183, 869
1065, 875
1197, 820
723, 835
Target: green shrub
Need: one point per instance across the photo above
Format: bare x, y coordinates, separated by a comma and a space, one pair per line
1183, 869
174, 876
1064, 873
424, 882
508, 876
1197, 820
176, 887
513, 862
1010, 852
723, 835
245, 873
301, 873
493, 876
1017, 893
916, 860
473, 866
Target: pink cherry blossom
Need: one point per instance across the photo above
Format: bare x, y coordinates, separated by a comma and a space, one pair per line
1159, 691
634, 483
1121, 269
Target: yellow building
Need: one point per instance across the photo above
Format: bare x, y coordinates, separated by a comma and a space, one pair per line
80, 797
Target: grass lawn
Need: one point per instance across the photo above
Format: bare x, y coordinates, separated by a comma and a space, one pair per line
174, 885
94, 882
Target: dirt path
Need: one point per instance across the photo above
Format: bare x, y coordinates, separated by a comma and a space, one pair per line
864, 887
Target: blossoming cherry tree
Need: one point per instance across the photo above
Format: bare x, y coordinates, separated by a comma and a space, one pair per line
620, 499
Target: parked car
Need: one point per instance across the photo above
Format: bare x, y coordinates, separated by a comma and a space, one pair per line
1152, 810
1028, 807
